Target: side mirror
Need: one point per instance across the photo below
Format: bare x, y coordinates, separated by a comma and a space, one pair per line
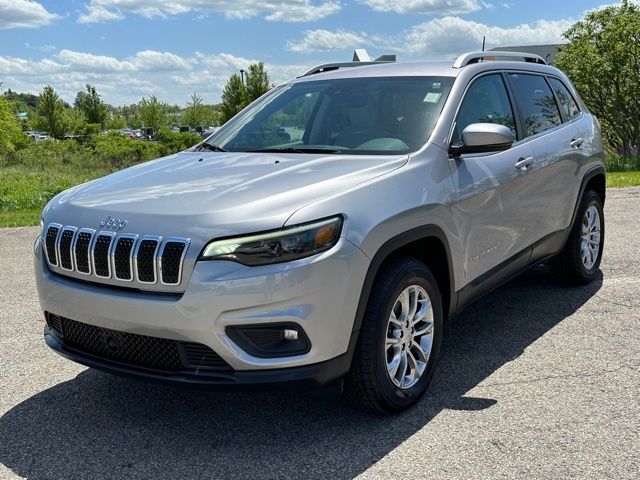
483, 138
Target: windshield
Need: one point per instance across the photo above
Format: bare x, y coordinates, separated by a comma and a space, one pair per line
376, 115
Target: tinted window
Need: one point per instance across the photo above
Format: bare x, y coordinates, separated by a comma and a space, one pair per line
538, 108
567, 102
486, 101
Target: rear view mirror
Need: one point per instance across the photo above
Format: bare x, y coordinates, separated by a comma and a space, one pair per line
482, 138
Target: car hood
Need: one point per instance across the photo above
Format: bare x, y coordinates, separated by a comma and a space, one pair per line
236, 192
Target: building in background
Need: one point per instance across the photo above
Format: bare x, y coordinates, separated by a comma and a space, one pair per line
548, 52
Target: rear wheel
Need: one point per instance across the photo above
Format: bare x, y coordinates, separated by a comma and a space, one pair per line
580, 261
400, 339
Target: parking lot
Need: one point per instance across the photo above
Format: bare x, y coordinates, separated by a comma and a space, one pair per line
536, 380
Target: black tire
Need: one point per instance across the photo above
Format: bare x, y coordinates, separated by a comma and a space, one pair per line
368, 384
568, 266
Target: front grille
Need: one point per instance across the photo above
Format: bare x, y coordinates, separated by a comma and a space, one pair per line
101, 255
171, 259
146, 260
66, 239
54, 322
138, 350
83, 242
123, 257
50, 244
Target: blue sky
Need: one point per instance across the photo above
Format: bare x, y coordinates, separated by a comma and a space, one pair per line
134, 48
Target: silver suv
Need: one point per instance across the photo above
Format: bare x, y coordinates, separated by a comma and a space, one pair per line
324, 234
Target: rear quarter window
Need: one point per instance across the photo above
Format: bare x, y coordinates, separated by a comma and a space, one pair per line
536, 103
567, 102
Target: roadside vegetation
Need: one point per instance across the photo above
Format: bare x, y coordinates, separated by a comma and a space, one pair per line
90, 139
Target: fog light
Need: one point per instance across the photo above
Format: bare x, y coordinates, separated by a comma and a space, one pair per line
290, 334
270, 340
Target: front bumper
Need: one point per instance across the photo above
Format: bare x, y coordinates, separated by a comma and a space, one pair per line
313, 376
320, 294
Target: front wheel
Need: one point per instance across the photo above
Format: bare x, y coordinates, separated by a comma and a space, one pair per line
580, 261
400, 339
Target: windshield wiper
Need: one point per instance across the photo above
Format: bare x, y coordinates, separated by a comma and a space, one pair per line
297, 150
209, 146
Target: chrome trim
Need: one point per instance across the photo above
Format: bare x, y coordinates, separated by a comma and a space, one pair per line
186, 242
112, 256
93, 247
55, 248
158, 239
66, 228
92, 232
114, 238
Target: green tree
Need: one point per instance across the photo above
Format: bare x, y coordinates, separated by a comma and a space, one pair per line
195, 114
236, 95
74, 120
234, 98
257, 81
602, 60
95, 111
51, 113
152, 112
11, 136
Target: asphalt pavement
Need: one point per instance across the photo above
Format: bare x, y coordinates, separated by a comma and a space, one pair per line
536, 380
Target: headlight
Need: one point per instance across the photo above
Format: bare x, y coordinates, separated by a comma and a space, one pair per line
278, 246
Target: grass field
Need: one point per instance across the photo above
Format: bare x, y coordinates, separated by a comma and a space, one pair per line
24, 191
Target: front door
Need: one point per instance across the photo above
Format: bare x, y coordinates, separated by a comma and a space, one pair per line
492, 188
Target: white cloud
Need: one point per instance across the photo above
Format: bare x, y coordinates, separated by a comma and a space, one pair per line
325, 40
449, 36
441, 7
125, 80
24, 13
97, 14
273, 10
145, 61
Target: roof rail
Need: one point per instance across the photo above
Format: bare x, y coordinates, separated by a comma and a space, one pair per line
326, 67
475, 57
360, 59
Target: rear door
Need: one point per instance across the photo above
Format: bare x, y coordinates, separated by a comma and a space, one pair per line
552, 139
491, 190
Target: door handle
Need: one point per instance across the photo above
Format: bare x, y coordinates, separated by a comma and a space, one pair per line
576, 142
524, 162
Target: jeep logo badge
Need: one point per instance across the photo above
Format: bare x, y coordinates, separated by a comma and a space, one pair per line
114, 224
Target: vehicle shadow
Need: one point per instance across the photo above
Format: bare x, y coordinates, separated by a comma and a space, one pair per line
100, 426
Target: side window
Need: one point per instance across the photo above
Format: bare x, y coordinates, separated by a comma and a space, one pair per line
486, 101
567, 102
537, 105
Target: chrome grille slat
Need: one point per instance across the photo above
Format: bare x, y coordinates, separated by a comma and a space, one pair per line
51, 240
145, 259
101, 254
82, 250
122, 256
63, 247
170, 260
115, 258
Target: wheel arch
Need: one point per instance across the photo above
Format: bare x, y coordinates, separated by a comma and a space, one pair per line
428, 244
594, 179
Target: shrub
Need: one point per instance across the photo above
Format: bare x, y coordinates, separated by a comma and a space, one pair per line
621, 163
11, 136
172, 142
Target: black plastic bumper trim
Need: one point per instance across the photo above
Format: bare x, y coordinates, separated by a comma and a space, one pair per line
317, 375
